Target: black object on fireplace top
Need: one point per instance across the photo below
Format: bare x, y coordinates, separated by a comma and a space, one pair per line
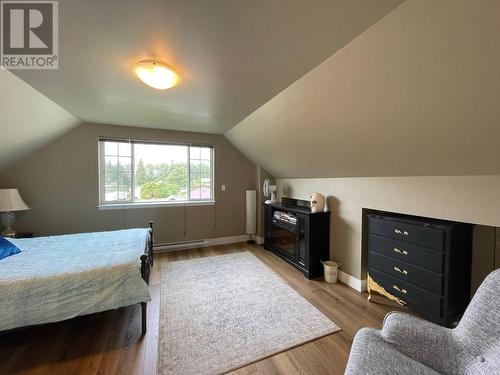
299, 205
295, 203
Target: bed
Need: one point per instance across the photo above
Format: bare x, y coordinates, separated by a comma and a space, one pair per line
60, 277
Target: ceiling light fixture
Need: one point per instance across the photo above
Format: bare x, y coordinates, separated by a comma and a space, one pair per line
157, 74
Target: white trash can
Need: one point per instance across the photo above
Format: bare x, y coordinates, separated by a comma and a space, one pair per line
331, 270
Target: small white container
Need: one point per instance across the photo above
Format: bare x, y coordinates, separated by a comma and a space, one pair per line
318, 202
331, 270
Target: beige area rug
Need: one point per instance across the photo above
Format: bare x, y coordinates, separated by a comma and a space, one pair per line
223, 312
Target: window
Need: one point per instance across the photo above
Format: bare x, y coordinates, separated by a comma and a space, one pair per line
135, 172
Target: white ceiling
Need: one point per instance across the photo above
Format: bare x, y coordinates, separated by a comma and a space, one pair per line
234, 55
416, 94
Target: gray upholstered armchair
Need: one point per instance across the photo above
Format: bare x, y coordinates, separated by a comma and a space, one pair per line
408, 345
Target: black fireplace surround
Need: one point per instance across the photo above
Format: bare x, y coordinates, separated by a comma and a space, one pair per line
297, 235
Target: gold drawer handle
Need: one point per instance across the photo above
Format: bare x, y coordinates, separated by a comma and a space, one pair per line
404, 252
399, 231
404, 291
404, 272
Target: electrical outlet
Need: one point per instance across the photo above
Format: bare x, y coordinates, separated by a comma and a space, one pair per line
223, 187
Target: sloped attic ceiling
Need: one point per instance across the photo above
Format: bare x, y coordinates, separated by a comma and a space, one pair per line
28, 119
234, 55
416, 94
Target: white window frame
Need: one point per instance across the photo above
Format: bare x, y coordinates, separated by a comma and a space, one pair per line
132, 203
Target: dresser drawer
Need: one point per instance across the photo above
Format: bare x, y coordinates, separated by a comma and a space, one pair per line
420, 235
408, 293
408, 253
430, 281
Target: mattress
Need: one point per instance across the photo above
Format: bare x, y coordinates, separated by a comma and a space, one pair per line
61, 277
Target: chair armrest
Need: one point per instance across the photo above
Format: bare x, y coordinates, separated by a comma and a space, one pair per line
428, 343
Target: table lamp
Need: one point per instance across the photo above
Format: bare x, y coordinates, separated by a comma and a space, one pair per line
10, 201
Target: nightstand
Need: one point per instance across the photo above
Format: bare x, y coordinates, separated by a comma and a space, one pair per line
21, 235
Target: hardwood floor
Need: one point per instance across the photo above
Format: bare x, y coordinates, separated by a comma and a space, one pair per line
111, 342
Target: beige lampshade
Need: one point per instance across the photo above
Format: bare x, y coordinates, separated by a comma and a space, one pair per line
10, 200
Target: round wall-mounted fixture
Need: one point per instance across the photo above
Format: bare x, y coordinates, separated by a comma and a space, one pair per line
157, 74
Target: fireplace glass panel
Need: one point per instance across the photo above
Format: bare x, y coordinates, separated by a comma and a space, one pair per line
283, 239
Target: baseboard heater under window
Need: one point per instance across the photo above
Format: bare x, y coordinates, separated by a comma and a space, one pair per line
181, 245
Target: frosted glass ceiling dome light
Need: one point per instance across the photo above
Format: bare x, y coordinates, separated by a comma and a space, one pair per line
157, 74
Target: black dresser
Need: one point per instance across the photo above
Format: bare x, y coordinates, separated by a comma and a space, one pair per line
298, 236
421, 263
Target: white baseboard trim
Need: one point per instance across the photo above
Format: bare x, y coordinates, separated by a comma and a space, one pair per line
357, 284
258, 240
179, 245
200, 243
227, 240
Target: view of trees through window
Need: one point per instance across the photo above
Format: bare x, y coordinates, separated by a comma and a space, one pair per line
146, 172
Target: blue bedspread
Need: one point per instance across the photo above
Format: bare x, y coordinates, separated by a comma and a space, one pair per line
60, 277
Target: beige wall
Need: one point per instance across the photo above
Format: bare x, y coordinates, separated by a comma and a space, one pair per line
471, 199
60, 183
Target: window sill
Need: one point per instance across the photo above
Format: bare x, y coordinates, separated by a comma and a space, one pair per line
126, 206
